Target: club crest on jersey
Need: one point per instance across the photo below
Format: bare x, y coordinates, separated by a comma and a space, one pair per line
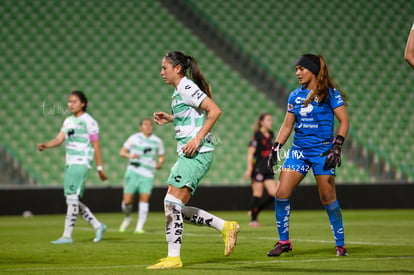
71, 132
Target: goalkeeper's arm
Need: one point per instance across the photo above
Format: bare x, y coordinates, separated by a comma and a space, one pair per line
282, 137
286, 128
342, 117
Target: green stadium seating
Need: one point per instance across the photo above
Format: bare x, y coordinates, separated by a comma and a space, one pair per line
112, 51
364, 55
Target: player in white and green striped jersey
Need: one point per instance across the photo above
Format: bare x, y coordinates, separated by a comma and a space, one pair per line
80, 132
194, 113
145, 152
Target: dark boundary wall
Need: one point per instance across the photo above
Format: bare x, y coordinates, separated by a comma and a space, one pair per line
41, 200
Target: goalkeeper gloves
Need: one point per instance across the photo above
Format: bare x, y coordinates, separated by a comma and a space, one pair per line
334, 153
273, 156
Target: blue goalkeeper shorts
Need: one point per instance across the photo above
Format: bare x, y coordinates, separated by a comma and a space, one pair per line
302, 160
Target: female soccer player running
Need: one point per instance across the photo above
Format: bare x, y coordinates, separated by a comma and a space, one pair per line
311, 110
194, 113
81, 135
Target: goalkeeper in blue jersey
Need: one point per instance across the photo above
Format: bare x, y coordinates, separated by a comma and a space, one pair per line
311, 111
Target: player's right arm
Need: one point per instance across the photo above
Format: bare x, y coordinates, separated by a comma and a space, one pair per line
58, 140
283, 135
286, 128
125, 154
162, 118
249, 167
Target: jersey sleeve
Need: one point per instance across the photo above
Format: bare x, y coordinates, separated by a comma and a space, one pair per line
161, 150
335, 99
291, 103
93, 129
253, 141
128, 143
192, 95
65, 126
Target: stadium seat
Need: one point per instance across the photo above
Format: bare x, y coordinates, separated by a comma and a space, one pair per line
112, 51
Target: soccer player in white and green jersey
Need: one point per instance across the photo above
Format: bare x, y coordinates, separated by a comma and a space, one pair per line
194, 113
145, 152
80, 132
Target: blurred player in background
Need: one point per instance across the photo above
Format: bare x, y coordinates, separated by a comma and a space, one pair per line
194, 113
145, 153
409, 48
80, 132
311, 110
261, 178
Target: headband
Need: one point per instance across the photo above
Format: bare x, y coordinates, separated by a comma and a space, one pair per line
309, 63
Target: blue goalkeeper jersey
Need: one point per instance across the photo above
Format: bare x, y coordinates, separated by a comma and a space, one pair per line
314, 123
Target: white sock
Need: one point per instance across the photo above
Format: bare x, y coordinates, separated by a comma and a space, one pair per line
198, 216
127, 209
174, 224
143, 209
88, 216
72, 203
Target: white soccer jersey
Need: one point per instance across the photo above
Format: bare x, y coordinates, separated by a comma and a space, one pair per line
148, 149
188, 116
78, 134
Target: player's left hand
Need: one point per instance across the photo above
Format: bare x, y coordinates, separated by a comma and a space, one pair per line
102, 175
191, 148
273, 157
333, 158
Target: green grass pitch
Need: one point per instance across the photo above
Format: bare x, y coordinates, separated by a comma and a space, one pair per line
378, 241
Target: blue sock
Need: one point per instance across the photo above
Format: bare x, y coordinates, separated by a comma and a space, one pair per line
335, 219
282, 213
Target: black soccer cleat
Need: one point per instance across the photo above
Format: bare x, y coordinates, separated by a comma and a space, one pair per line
341, 251
279, 249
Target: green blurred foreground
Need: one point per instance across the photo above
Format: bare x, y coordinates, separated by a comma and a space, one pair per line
378, 241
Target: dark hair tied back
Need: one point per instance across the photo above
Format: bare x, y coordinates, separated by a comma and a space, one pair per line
188, 62
82, 97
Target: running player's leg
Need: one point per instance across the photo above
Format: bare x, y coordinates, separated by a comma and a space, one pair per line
257, 193
129, 190
174, 227
191, 173
291, 175
72, 203
269, 196
90, 218
229, 229
145, 186
143, 209
74, 179
126, 206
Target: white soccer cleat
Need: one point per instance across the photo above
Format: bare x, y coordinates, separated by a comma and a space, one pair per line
125, 223
63, 240
99, 233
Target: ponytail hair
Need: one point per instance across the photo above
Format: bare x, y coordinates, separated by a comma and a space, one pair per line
324, 81
188, 62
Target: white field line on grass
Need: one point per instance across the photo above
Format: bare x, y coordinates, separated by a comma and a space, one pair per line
260, 238
206, 264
